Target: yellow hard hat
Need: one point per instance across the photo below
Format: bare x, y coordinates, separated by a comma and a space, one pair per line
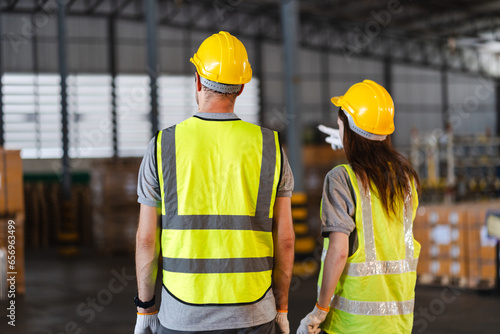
369, 108
223, 58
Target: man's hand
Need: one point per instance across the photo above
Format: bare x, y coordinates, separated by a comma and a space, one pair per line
333, 137
282, 322
147, 323
146, 263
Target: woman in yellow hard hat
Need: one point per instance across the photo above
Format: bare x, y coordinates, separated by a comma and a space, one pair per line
368, 269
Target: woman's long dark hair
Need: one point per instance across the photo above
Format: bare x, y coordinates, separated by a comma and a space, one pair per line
390, 173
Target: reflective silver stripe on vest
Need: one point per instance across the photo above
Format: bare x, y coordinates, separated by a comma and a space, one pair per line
377, 268
373, 308
381, 267
213, 222
267, 169
366, 207
218, 266
169, 166
408, 218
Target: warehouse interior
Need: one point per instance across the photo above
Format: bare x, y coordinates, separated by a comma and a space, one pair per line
86, 84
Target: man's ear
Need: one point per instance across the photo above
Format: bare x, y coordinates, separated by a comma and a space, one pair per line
241, 90
198, 82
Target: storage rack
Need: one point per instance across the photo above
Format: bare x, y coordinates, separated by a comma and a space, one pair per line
456, 168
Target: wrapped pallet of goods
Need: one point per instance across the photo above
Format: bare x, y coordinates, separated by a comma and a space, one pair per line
115, 210
482, 249
441, 230
83, 213
45, 215
456, 249
36, 215
12, 215
11, 182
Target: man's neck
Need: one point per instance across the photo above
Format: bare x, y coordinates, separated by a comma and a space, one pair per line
216, 106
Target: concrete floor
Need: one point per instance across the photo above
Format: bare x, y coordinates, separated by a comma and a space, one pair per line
92, 294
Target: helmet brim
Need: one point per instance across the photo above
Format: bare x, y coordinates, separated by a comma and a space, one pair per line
336, 100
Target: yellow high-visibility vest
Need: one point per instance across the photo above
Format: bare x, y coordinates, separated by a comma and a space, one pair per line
376, 291
218, 182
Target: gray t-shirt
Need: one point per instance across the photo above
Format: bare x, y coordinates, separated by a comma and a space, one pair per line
339, 206
178, 316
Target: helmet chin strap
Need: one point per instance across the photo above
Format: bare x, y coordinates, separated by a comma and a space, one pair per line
361, 132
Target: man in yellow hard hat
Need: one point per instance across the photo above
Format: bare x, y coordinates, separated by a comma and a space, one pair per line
222, 187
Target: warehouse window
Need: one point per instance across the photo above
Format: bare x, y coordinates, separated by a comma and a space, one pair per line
33, 112
89, 109
134, 128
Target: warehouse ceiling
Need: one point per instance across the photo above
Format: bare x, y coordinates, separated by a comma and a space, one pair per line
461, 35
425, 17
437, 18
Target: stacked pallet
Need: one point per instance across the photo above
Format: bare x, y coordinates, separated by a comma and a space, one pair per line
115, 210
442, 233
455, 248
81, 198
482, 249
12, 213
44, 214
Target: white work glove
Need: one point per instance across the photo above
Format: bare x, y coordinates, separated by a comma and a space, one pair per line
147, 323
333, 137
282, 322
310, 324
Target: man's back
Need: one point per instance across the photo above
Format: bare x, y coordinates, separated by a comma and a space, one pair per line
201, 146
219, 185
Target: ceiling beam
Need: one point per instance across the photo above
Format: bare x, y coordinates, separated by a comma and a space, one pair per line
93, 7
69, 4
40, 6
447, 21
11, 5
120, 8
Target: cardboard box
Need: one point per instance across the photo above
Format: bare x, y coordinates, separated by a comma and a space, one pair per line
114, 182
481, 252
11, 182
441, 231
115, 210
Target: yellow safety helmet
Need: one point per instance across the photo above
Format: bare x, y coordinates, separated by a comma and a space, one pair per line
369, 108
223, 58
